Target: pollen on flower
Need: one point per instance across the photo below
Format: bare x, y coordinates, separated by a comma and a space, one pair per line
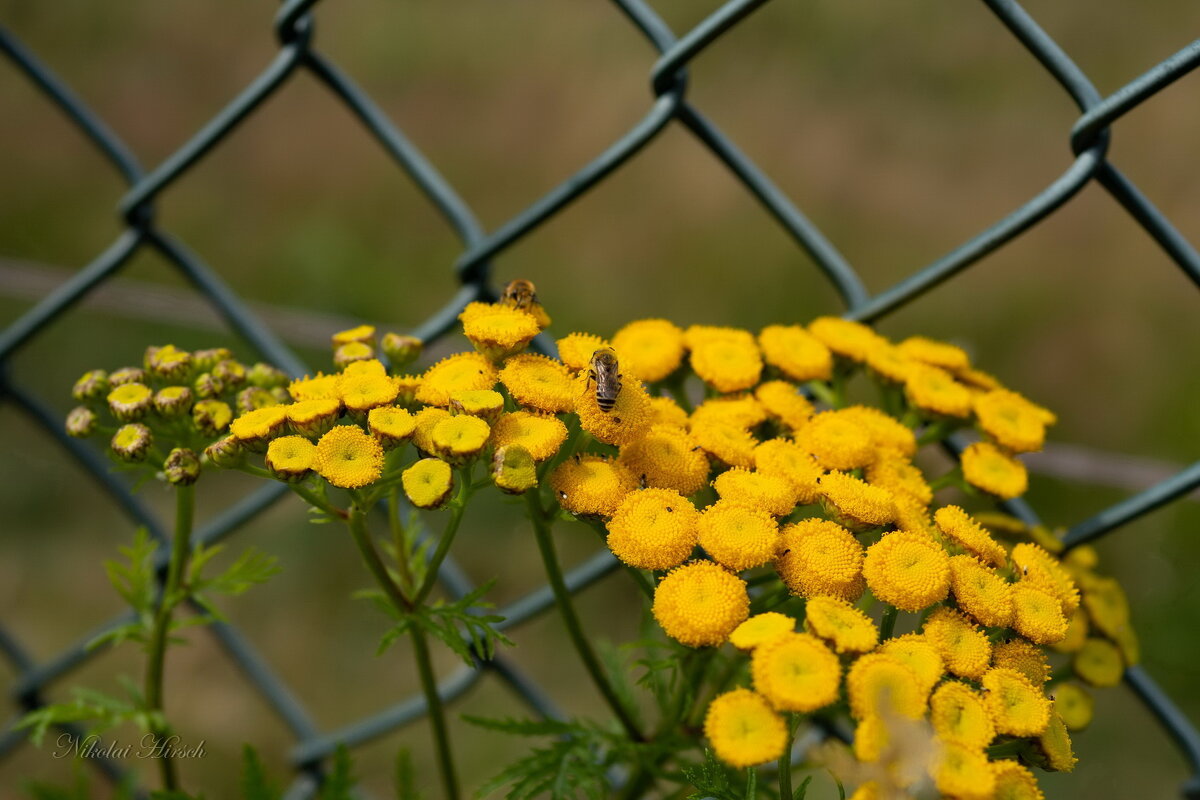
540, 434
653, 529
1017, 707
760, 629
818, 557
700, 604
360, 392
846, 338
457, 373
907, 570
756, 490
887, 433
981, 592
575, 349
740, 411
256, 427
1025, 657
736, 536
650, 349
796, 672
1011, 420
847, 628
787, 460
1039, 568
591, 484
1038, 615
963, 647
499, 331
458, 439
796, 353
624, 423
878, 684
915, 652
959, 526
349, 458
744, 730
540, 383
783, 401
837, 442
934, 390
391, 426
725, 358
727, 443
428, 483
855, 502
486, 404
667, 457
899, 476
320, 387
959, 714
290, 458
425, 421
987, 467
665, 411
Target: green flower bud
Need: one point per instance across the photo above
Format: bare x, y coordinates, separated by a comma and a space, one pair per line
173, 401
265, 376
206, 386
229, 372
253, 398
168, 363
225, 453
131, 442
280, 393
130, 401
513, 469
211, 416
124, 375
400, 350
81, 421
182, 467
351, 352
92, 385
205, 360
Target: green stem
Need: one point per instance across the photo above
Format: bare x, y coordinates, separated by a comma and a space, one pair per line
185, 501
566, 607
437, 714
457, 506
888, 624
398, 542
785, 761
315, 500
358, 530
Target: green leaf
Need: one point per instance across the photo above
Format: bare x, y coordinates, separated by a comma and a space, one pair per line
710, 779
340, 783
618, 677
255, 783
127, 632
458, 625
801, 791
252, 567
524, 727
134, 579
406, 778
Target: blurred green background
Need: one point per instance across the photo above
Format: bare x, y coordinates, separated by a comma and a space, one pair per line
900, 129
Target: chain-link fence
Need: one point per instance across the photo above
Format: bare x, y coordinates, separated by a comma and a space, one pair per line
293, 27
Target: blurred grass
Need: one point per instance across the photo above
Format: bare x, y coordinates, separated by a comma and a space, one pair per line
900, 130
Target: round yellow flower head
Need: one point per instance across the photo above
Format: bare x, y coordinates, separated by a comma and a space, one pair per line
899, 476
959, 715
796, 672
760, 629
425, 421
211, 416
963, 773
959, 526
887, 433
934, 353
844, 337
651, 349
124, 375
362, 333
757, 491
934, 390
667, 457
391, 426
848, 629
700, 604
290, 458
879, 685
626, 422
725, 358
349, 458
322, 387
1077, 632
1017, 707
255, 428
796, 353
514, 470
130, 401
854, 502
837, 441
406, 387
173, 401
1054, 746
1074, 705
168, 362
1011, 420
575, 349
400, 349
1038, 568
665, 411
728, 444
785, 459
744, 730
225, 453
461, 438
818, 557
981, 592
500, 331
369, 366
487, 404
1099, 663
91, 385
591, 484
132, 442
1015, 782
458, 373
352, 352
428, 483
1038, 615
963, 647
915, 652
872, 739
540, 382
81, 422
738, 537
888, 363
653, 529
913, 517
740, 411
987, 467
1025, 657
540, 434
783, 401
907, 570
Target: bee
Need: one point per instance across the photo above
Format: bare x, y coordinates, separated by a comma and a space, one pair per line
522, 295
605, 372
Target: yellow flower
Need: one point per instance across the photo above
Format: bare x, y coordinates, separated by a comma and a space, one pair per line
575, 350
907, 570
837, 441
627, 420
1099, 663
651, 349
914, 651
934, 353
959, 526
428, 483
756, 490
725, 358
290, 458
401, 349
740, 411
848, 629
1077, 632
783, 401
878, 684
499, 331
513, 469
872, 738
458, 373
1054, 746
653, 529
371, 366
407, 386
981, 592
844, 337
889, 363
738, 537
700, 604
591, 484
1015, 782
665, 411
987, 467
760, 629
362, 333
1011, 420
313, 418
796, 672
168, 362
1107, 606
1073, 704
540, 382
1039, 568
132, 441
1037, 615
667, 457
963, 773
727, 443
898, 475
352, 352
254, 428
856, 503
459, 439
963, 647
785, 459
322, 387
1025, 657
130, 401
487, 404
1018, 708
935, 390
211, 416
540, 434
960, 715
796, 353
349, 458
913, 516
744, 730
426, 420
818, 557
886, 432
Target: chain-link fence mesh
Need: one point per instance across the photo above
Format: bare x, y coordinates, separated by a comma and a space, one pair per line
293, 27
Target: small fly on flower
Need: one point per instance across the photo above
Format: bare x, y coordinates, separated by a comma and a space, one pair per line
605, 373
